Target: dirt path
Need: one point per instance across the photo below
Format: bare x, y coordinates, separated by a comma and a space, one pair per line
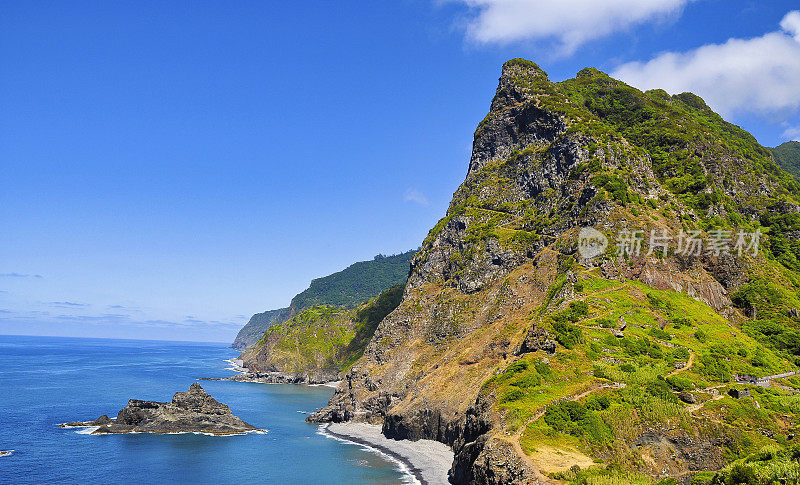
688, 366
695, 407
514, 439
610, 289
576, 397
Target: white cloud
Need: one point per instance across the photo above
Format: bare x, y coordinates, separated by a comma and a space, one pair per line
415, 196
758, 75
791, 24
792, 133
569, 22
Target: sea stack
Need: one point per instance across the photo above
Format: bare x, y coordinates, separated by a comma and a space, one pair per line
193, 411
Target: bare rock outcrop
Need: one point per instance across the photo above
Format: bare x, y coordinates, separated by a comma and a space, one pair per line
193, 411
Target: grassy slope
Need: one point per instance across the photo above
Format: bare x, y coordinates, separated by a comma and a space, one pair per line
686, 143
307, 341
322, 338
788, 156
347, 288
622, 386
355, 284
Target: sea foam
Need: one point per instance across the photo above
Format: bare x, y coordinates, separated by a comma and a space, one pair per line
408, 476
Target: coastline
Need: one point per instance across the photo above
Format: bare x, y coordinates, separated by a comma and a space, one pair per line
236, 365
90, 430
426, 460
118, 365
332, 384
247, 375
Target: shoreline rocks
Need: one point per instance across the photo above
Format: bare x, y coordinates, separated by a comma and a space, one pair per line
193, 411
275, 378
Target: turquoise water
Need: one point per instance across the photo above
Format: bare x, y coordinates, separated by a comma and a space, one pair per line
46, 381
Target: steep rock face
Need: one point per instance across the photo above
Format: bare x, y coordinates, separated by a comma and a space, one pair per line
345, 289
525, 186
317, 344
304, 345
193, 411
548, 159
257, 325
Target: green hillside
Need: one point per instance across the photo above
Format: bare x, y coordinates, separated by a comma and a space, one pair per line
322, 340
788, 156
355, 284
632, 359
347, 289
257, 325
539, 363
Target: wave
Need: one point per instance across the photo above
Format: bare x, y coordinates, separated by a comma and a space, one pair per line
236, 365
91, 429
333, 384
254, 431
402, 466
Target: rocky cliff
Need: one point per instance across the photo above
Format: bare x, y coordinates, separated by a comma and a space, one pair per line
193, 411
319, 343
516, 349
346, 289
257, 325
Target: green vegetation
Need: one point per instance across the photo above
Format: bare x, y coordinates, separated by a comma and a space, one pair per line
565, 333
614, 185
367, 319
357, 283
347, 288
601, 389
579, 419
306, 342
322, 339
782, 242
771, 307
258, 324
770, 464
788, 157
613, 475
670, 129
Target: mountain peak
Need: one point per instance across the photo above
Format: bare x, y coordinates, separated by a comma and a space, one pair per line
590, 72
523, 64
502, 308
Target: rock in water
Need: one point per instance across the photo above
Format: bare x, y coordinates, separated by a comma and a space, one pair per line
193, 411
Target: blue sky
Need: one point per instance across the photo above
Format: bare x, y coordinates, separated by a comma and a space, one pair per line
170, 168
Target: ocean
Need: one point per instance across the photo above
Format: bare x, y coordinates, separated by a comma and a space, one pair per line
45, 381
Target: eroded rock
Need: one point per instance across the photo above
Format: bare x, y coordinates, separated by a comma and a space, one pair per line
193, 411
